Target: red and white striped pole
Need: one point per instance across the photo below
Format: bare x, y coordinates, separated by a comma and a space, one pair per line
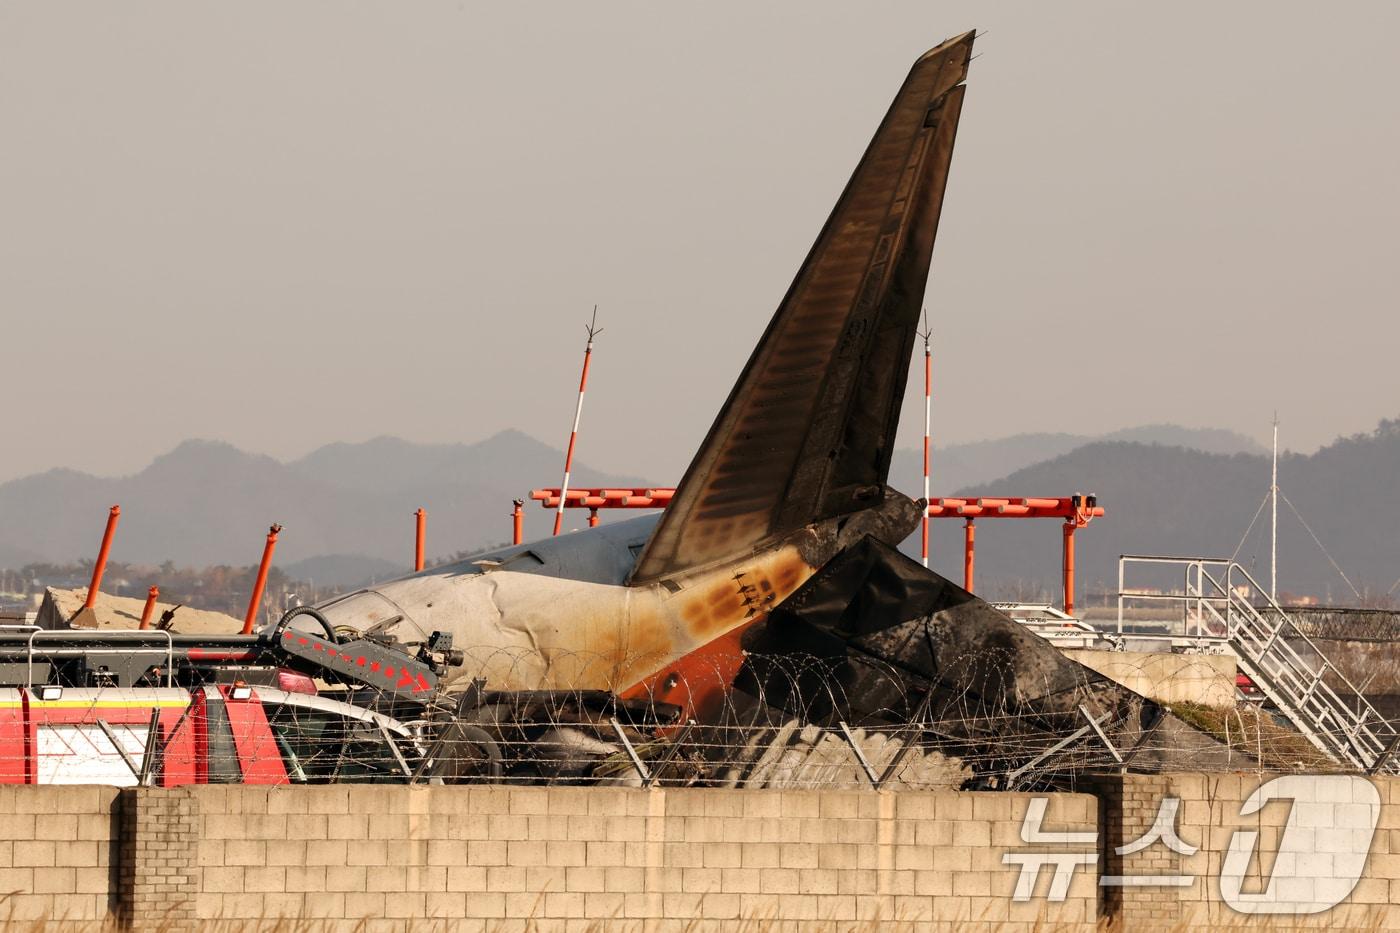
928, 418
593, 331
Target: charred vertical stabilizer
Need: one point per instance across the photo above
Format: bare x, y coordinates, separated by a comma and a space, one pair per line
808, 430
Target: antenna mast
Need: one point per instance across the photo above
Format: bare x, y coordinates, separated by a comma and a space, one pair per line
593, 331
928, 417
1273, 537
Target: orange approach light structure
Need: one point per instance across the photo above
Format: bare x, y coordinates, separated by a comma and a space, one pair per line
595, 499
149, 609
261, 582
420, 533
113, 516
1076, 511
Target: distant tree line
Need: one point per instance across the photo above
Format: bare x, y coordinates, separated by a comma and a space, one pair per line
219, 587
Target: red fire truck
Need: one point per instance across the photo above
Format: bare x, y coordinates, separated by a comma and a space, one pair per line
295, 704
211, 734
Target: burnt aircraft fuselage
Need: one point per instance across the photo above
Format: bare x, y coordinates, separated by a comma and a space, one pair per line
558, 614
793, 469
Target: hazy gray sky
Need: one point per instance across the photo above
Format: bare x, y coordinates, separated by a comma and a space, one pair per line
281, 224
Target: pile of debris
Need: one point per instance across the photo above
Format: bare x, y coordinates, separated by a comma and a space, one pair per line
63, 609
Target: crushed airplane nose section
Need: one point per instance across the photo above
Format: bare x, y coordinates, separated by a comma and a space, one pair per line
876, 639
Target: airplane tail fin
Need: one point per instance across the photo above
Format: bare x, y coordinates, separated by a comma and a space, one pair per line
808, 430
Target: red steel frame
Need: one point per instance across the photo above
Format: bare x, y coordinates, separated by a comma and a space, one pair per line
1076, 511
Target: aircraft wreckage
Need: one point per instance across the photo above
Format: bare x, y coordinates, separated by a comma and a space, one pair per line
766, 613
770, 593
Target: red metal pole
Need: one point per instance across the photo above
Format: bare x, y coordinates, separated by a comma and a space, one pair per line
100, 567
578, 413
593, 518
969, 553
261, 582
518, 522
150, 607
1068, 565
422, 518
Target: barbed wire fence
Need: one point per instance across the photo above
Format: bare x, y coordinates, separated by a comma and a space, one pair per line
786, 721
1347, 624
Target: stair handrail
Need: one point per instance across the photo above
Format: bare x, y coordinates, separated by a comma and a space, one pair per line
1189, 594
1340, 721
1282, 634
1296, 633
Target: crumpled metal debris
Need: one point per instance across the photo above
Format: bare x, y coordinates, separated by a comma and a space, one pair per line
874, 638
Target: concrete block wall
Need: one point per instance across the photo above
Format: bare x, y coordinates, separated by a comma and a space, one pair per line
485, 856
56, 853
491, 857
1209, 817
158, 873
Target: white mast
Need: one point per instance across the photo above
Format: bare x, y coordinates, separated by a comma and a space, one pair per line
928, 418
1273, 538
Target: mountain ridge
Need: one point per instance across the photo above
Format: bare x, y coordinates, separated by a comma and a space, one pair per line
209, 502
957, 465
1176, 501
347, 507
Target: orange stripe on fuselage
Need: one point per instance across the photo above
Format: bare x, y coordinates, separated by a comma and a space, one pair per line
697, 682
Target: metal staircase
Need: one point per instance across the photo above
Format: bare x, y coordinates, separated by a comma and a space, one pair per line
1286, 664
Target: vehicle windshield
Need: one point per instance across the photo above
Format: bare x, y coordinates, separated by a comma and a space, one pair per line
371, 615
321, 747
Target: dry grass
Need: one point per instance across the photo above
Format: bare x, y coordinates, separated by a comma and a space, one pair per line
1373, 667
1256, 734
1215, 917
